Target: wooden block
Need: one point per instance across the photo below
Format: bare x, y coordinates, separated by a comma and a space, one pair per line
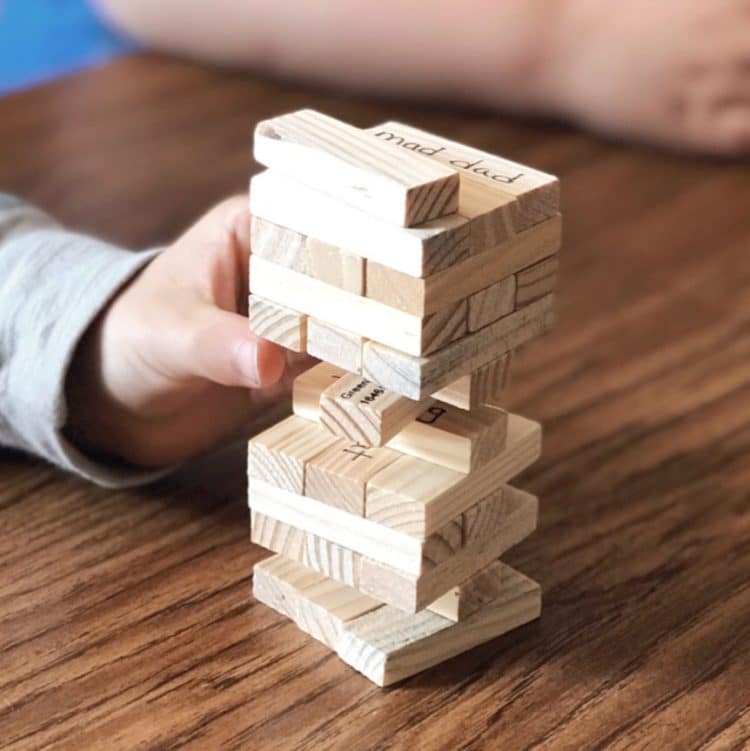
308, 387
418, 251
484, 386
530, 196
277, 323
278, 455
338, 475
536, 281
364, 412
478, 590
350, 166
492, 303
308, 256
281, 538
418, 497
424, 296
357, 315
334, 346
455, 438
416, 377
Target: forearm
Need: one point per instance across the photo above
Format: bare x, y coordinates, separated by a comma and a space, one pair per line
481, 51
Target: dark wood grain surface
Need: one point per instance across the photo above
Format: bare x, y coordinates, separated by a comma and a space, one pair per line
126, 619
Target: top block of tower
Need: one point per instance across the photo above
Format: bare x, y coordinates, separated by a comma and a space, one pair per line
392, 184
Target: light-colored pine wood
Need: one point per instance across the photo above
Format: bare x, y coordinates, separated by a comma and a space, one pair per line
418, 497
338, 475
432, 293
350, 166
484, 386
279, 537
355, 314
278, 323
308, 387
536, 281
454, 438
365, 412
478, 590
418, 251
309, 256
531, 195
278, 455
387, 646
417, 377
492, 303
334, 345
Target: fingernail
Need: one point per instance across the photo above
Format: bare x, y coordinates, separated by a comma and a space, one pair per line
247, 362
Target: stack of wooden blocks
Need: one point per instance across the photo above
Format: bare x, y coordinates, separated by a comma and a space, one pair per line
411, 266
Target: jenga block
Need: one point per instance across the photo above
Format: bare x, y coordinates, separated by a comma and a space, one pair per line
355, 314
334, 345
281, 538
424, 296
308, 256
418, 497
387, 646
534, 195
455, 438
278, 455
383, 643
536, 281
350, 166
461, 601
308, 387
365, 412
277, 323
484, 386
492, 303
416, 377
338, 475
418, 251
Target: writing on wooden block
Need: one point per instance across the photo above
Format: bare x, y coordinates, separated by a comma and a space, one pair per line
418, 251
309, 256
278, 455
346, 163
339, 474
277, 323
484, 386
365, 412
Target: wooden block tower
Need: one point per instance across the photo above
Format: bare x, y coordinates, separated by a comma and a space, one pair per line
412, 266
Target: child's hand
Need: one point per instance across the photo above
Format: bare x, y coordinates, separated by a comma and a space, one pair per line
171, 367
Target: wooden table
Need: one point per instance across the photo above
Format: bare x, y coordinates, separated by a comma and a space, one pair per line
126, 619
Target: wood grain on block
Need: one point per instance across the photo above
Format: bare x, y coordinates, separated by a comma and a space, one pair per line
512, 516
455, 438
357, 315
308, 387
387, 646
347, 164
418, 497
278, 455
416, 377
434, 292
365, 412
477, 591
418, 251
339, 474
317, 604
307, 255
445, 326
534, 195
483, 386
492, 303
536, 281
274, 535
334, 346
277, 323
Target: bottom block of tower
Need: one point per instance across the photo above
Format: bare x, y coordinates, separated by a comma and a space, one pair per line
383, 643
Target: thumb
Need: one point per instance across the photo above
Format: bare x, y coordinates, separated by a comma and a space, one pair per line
223, 349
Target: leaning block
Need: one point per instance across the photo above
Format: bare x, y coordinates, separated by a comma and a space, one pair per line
347, 164
277, 323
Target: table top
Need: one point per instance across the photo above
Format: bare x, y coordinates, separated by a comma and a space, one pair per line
126, 619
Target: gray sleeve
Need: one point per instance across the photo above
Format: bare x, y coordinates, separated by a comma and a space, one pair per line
53, 284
